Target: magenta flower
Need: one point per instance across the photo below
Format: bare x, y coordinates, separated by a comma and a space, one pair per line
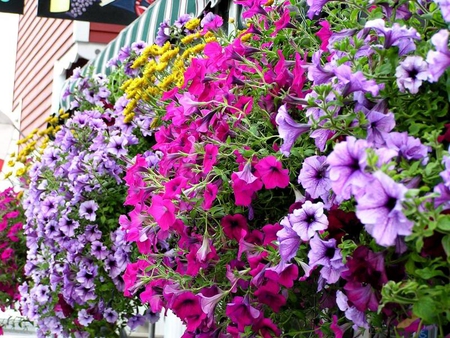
163, 211
234, 226
365, 278
209, 195
172, 188
351, 312
243, 191
269, 294
347, 163
289, 130
307, 220
210, 158
241, 312
314, 176
438, 60
187, 307
326, 254
410, 74
272, 173
380, 209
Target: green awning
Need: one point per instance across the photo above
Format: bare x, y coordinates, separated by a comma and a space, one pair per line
143, 28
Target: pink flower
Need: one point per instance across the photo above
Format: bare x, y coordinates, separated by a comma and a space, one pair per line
272, 173
244, 192
7, 254
163, 211
234, 226
324, 34
242, 313
174, 186
187, 307
210, 158
209, 195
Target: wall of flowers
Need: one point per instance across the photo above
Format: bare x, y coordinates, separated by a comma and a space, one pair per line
291, 179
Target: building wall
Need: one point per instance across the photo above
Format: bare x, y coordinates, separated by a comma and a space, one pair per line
41, 44
41, 41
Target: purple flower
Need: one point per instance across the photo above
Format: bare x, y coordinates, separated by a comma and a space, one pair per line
410, 74
326, 254
86, 276
314, 176
309, 219
380, 124
124, 53
399, 36
163, 33
438, 60
87, 210
288, 129
347, 163
68, 226
354, 82
315, 6
98, 250
445, 8
407, 146
289, 241
110, 315
41, 292
138, 47
84, 318
380, 210
351, 312
135, 321
117, 145
182, 20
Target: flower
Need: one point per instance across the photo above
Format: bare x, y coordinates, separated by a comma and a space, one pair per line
308, 219
272, 173
347, 163
241, 312
314, 176
289, 130
410, 74
326, 254
380, 209
438, 60
234, 226
88, 209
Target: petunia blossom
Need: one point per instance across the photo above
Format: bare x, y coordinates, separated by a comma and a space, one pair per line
410, 74
272, 173
438, 60
308, 219
380, 209
314, 176
289, 130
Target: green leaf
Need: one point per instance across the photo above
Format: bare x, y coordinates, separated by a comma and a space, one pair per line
428, 273
446, 244
425, 309
444, 223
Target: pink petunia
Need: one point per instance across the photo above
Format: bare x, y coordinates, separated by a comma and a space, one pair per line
209, 195
272, 173
210, 158
163, 211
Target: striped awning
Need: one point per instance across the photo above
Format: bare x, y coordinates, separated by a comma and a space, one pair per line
143, 28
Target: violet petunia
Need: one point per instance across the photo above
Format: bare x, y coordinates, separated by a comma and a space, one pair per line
314, 176
88, 209
347, 163
289, 241
308, 219
409, 147
444, 5
288, 129
410, 74
438, 60
380, 209
327, 255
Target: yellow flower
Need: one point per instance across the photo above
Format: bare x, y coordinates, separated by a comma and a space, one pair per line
128, 118
8, 174
19, 195
189, 38
161, 66
21, 172
269, 3
192, 24
11, 163
64, 116
246, 37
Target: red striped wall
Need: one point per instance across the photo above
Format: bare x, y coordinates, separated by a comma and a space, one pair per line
41, 42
